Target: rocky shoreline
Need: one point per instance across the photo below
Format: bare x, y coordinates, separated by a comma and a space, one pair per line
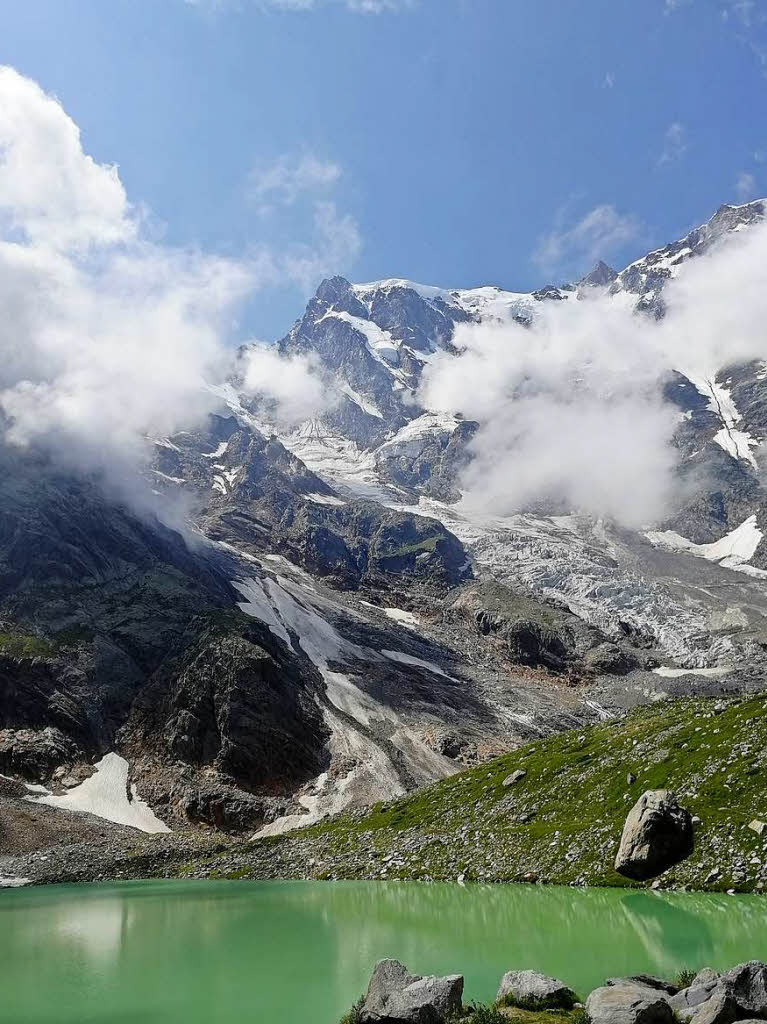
394, 996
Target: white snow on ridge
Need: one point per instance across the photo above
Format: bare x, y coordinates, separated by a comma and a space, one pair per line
735, 442
324, 499
364, 403
733, 551
105, 794
218, 452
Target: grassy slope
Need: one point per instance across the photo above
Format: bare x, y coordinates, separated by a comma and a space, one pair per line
562, 822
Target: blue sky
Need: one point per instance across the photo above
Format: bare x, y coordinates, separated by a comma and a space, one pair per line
453, 142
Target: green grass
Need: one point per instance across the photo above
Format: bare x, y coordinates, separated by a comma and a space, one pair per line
353, 1016
25, 645
685, 977
562, 823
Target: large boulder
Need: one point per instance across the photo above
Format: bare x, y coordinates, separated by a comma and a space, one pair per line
747, 983
395, 996
531, 989
625, 1002
658, 834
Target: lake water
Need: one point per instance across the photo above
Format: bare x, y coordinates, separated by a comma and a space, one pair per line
301, 952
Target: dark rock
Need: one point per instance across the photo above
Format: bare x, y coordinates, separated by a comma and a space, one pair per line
658, 833
610, 659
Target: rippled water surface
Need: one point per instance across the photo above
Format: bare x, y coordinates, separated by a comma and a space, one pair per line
301, 952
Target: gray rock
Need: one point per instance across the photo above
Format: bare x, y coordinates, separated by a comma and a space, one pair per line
658, 834
548, 993
747, 983
700, 991
627, 1003
515, 776
721, 1008
395, 996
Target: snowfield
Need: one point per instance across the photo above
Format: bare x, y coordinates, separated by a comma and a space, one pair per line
106, 795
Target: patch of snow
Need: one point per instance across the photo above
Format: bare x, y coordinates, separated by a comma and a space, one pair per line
231, 474
401, 616
13, 881
105, 794
171, 479
324, 499
258, 605
673, 673
364, 403
218, 452
219, 484
732, 551
735, 442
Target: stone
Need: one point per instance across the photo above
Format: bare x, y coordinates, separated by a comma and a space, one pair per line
700, 991
395, 996
747, 983
758, 826
516, 776
631, 778
625, 1002
658, 833
646, 981
721, 1008
538, 989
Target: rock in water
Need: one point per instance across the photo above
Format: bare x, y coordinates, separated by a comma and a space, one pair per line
658, 834
530, 986
395, 996
626, 1003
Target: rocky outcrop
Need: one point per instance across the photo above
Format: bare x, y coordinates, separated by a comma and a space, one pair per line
658, 834
537, 633
532, 990
395, 996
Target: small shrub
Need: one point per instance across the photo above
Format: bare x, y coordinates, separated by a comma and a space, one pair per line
353, 1016
685, 977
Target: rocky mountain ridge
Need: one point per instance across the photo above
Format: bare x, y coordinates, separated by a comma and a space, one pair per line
334, 625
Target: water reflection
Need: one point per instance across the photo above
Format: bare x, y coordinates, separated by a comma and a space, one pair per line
220, 952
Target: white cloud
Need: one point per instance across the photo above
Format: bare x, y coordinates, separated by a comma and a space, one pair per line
289, 389
570, 409
336, 246
745, 186
358, 6
284, 181
105, 336
571, 249
608, 82
675, 145
50, 191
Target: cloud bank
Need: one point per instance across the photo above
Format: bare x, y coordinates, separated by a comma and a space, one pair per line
570, 408
106, 337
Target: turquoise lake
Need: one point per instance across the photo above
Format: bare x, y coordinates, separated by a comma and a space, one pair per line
301, 952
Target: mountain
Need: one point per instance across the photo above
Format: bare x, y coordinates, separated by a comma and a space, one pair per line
329, 623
